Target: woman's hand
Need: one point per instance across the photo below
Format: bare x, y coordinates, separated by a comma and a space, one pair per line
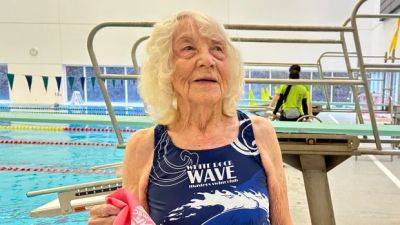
103, 214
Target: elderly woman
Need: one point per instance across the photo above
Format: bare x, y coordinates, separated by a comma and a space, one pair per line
206, 162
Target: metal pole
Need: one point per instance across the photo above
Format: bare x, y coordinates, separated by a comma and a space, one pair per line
317, 189
102, 85
287, 28
391, 93
377, 66
302, 81
378, 16
363, 74
285, 40
332, 81
383, 91
279, 64
354, 88
133, 53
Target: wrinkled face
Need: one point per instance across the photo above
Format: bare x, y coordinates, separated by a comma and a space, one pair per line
200, 65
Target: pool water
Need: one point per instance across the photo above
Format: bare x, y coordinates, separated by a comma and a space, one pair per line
14, 205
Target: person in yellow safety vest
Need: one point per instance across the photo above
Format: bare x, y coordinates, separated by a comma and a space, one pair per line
291, 100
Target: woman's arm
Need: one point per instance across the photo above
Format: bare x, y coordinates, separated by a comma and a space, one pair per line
271, 158
138, 157
137, 164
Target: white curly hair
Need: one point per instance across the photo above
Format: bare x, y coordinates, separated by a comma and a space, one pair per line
154, 84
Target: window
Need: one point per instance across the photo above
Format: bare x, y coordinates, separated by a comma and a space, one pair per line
116, 88
74, 73
318, 94
84, 80
246, 86
133, 94
92, 85
341, 93
4, 88
256, 88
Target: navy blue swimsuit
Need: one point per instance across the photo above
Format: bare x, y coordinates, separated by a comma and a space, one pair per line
225, 185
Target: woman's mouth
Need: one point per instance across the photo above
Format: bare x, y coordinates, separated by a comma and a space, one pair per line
206, 80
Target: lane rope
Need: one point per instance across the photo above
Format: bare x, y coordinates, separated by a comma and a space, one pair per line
62, 129
42, 142
53, 170
71, 111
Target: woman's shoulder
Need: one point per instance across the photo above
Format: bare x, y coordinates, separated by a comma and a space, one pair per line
264, 131
261, 124
141, 142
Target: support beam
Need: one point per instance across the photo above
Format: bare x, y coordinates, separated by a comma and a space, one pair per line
317, 189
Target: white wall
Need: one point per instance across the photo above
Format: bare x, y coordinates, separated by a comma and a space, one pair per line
382, 35
59, 28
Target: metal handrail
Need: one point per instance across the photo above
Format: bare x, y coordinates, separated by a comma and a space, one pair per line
342, 29
285, 40
362, 65
227, 26
279, 64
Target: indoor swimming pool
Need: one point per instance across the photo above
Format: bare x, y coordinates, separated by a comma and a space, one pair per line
56, 165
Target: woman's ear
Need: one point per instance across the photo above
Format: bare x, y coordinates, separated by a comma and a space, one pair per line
174, 103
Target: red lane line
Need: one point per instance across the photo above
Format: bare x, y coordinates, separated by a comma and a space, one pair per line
54, 170
55, 143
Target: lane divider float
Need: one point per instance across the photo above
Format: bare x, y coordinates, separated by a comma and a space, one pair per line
42, 142
53, 170
62, 129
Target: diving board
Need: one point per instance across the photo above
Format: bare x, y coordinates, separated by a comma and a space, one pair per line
333, 128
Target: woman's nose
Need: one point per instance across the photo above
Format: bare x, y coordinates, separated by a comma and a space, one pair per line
206, 59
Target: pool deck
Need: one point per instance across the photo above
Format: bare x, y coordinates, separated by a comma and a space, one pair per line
361, 192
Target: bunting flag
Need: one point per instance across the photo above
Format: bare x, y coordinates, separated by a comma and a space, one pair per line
252, 98
58, 80
93, 81
10, 78
71, 81
82, 79
113, 83
45, 82
122, 82
393, 43
29, 80
264, 94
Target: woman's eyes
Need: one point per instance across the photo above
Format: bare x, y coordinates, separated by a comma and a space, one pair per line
218, 48
188, 48
217, 51
214, 48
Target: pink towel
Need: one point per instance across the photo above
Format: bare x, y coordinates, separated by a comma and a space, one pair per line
131, 212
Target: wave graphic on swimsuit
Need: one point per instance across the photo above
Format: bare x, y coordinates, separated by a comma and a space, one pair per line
175, 171
228, 201
240, 144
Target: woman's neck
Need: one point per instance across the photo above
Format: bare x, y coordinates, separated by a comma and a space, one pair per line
199, 117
